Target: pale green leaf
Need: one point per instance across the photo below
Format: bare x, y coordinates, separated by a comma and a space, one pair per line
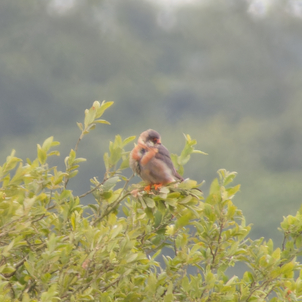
47, 143
102, 122
104, 106
42, 156
127, 140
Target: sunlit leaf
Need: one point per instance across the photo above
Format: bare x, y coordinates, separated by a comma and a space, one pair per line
47, 143
104, 106
42, 156
101, 122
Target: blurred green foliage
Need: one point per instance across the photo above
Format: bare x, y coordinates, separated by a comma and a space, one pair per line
229, 78
53, 249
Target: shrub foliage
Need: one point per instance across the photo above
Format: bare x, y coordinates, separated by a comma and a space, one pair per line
130, 245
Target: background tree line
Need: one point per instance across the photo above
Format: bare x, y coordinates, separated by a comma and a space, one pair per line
229, 78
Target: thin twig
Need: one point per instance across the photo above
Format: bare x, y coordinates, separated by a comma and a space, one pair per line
77, 144
75, 149
218, 244
118, 200
257, 288
112, 283
66, 182
39, 218
11, 222
17, 265
283, 243
111, 208
175, 248
93, 189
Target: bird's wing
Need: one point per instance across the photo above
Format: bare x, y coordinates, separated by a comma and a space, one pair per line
164, 155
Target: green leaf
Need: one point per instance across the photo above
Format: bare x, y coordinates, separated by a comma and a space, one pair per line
199, 152
299, 242
231, 210
287, 268
106, 161
42, 156
107, 195
209, 212
50, 295
110, 183
157, 219
79, 160
184, 159
188, 184
29, 268
72, 156
11, 162
229, 178
174, 159
93, 207
80, 125
7, 269
180, 170
125, 163
87, 120
116, 230
26, 298
174, 195
104, 106
73, 174
90, 127
131, 258
171, 202
47, 143
276, 254
90, 115
118, 142
183, 220
7, 248
248, 277
115, 155
215, 187
149, 202
102, 122
19, 174
96, 105
185, 284
185, 200
232, 191
128, 140
56, 153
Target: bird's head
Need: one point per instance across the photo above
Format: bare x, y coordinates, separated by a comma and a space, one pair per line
150, 138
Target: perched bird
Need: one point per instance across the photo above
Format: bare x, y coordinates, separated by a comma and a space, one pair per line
151, 160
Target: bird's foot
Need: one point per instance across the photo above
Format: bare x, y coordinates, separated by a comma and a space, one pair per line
147, 188
157, 186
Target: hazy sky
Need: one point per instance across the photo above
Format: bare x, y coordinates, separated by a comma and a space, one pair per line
256, 7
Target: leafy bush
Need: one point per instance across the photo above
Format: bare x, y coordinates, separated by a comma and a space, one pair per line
53, 248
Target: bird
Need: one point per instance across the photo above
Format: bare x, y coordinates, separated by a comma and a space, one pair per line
152, 162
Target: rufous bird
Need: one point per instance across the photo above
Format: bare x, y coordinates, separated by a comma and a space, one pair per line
152, 162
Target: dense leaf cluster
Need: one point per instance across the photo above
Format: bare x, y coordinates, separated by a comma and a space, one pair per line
52, 248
